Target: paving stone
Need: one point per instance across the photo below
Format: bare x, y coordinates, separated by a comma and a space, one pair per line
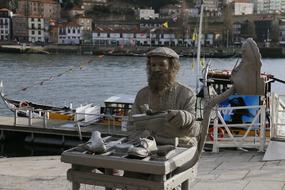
230, 175
282, 163
271, 163
264, 185
240, 165
217, 185
234, 173
236, 158
206, 177
267, 175
209, 164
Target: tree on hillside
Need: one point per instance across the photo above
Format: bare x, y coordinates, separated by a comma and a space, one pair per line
155, 4
68, 4
274, 33
228, 23
248, 30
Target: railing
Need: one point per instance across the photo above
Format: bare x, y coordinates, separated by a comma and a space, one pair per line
240, 141
277, 117
79, 119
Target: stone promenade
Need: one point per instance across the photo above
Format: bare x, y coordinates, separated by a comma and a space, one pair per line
234, 170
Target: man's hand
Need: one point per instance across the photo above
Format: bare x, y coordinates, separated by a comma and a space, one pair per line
176, 118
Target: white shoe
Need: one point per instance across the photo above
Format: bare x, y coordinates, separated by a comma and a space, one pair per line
149, 143
146, 147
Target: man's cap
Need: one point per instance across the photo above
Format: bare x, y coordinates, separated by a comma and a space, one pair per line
163, 52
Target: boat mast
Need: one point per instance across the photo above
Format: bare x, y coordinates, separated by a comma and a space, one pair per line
199, 47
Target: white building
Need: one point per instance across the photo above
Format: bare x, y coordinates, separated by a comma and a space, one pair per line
147, 14
145, 37
170, 11
212, 7
282, 32
270, 6
5, 24
70, 33
36, 30
243, 7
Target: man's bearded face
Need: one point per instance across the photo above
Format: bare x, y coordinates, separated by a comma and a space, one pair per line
161, 76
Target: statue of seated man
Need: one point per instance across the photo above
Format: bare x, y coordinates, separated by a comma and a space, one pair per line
165, 96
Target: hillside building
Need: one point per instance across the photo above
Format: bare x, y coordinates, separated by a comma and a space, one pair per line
5, 24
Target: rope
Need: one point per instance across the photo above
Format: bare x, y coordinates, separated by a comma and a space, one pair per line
52, 77
278, 80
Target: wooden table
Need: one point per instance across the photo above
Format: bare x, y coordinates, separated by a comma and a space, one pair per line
151, 173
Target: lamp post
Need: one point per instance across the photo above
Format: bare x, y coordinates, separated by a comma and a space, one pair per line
149, 38
150, 31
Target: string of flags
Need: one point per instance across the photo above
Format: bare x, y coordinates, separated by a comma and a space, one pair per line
52, 77
166, 25
202, 63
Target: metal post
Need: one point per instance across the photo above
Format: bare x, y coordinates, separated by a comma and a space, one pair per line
215, 142
199, 48
63, 140
2, 136
45, 119
262, 129
149, 39
15, 117
30, 117
272, 114
227, 38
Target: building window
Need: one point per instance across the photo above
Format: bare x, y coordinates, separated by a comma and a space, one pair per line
68, 30
39, 19
39, 26
39, 32
32, 19
33, 32
33, 26
73, 31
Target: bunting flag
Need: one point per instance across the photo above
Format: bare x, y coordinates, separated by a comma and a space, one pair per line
194, 36
165, 24
202, 62
52, 77
193, 64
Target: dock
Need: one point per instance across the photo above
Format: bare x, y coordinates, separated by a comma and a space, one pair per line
59, 131
228, 169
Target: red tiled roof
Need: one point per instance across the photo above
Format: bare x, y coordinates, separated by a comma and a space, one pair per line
82, 16
107, 29
77, 8
68, 24
264, 18
35, 16
241, 1
4, 9
43, 1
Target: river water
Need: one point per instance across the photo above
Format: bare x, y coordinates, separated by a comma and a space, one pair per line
64, 79
89, 79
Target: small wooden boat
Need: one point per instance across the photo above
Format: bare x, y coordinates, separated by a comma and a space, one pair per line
24, 107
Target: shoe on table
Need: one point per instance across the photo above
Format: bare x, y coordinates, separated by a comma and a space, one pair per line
146, 147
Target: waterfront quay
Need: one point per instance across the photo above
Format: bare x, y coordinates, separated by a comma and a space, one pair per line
89, 49
228, 169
